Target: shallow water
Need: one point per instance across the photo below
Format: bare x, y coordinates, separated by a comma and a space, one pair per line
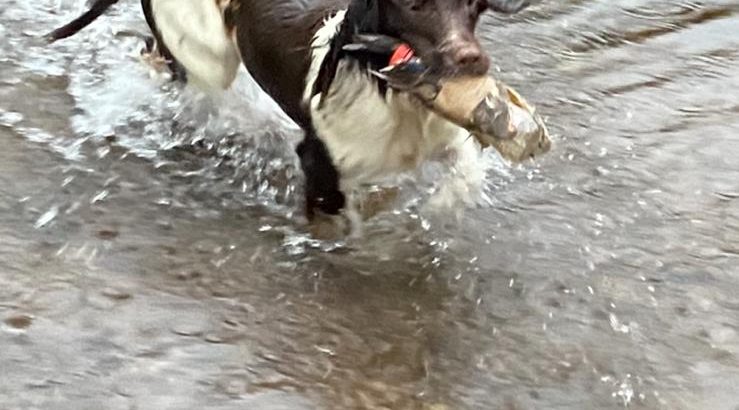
152, 254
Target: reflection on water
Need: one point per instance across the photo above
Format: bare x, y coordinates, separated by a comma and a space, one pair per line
152, 253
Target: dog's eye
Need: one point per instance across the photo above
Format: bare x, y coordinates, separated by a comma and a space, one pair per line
416, 5
478, 5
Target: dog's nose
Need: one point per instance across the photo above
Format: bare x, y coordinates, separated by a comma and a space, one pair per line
470, 59
467, 56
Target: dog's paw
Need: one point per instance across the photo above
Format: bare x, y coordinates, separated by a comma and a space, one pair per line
327, 227
321, 178
330, 202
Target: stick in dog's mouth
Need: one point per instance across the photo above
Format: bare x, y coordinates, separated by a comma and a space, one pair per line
494, 113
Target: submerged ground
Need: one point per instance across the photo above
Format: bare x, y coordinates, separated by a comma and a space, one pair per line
152, 255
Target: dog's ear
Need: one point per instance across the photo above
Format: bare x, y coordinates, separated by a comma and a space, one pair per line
364, 15
508, 6
372, 43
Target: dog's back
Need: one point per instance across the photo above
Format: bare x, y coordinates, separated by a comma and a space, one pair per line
274, 38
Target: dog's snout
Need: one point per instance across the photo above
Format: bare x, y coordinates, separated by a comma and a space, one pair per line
468, 56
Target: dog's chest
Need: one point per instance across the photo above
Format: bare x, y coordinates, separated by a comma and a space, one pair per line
369, 135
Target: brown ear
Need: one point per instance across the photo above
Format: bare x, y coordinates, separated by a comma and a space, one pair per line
372, 43
508, 6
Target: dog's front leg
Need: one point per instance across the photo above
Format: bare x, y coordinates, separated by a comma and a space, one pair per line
464, 183
321, 177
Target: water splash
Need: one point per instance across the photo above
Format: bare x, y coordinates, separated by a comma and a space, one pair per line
47, 217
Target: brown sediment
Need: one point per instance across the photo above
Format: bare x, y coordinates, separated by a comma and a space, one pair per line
19, 321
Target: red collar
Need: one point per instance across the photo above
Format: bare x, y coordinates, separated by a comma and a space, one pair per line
402, 54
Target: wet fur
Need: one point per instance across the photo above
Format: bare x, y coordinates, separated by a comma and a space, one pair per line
396, 132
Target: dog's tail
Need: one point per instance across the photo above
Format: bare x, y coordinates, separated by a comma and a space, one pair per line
98, 8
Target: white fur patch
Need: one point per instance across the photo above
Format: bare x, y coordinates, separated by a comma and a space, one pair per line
371, 137
195, 33
320, 47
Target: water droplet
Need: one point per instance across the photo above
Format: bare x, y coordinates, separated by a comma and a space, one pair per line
9, 118
116, 294
47, 217
100, 196
325, 350
616, 325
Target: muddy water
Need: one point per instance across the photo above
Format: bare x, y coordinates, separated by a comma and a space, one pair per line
152, 255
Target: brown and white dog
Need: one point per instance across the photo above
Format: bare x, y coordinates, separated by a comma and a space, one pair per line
357, 130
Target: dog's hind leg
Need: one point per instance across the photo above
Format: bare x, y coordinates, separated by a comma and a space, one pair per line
192, 33
155, 46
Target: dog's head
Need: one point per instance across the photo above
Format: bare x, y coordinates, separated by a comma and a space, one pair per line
441, 32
